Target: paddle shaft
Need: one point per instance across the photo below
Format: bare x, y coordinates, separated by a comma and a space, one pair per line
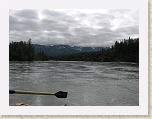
59, 94
29, 92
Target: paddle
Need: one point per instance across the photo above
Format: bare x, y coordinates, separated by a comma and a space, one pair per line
60, 94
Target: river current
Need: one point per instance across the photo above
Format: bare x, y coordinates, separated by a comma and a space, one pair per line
87, 83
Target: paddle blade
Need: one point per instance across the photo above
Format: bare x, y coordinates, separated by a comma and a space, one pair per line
61, 94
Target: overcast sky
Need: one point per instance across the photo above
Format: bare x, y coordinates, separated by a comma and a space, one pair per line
82, 27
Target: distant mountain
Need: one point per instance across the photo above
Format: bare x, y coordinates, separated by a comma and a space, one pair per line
55, 50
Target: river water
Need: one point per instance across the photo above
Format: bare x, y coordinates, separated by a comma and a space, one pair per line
87, 83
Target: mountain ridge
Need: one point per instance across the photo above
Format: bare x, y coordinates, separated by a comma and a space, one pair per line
54, 50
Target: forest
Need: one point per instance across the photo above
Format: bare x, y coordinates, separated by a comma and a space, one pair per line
126, 50
24, 51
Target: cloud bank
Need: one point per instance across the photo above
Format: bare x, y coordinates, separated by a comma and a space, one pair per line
84, 27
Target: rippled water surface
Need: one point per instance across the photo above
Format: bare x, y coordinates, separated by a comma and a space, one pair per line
87, 83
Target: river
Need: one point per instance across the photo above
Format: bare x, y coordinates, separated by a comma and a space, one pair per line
87, 83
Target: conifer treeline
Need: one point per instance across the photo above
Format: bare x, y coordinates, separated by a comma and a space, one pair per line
126, 51
22, 51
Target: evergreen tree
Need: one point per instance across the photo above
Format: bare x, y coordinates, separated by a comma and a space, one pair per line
30, 50
126, 51
22, 51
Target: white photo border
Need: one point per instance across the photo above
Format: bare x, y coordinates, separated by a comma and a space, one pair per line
142, 5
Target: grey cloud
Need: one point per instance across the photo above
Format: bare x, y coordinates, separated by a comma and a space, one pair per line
51, 13
80, 28
12, 20
128, 31
57, 16
27, 14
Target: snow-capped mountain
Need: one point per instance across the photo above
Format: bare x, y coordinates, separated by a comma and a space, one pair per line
55, 50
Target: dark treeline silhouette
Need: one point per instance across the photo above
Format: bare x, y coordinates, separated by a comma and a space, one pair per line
41, 56
125, 51
22, 51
